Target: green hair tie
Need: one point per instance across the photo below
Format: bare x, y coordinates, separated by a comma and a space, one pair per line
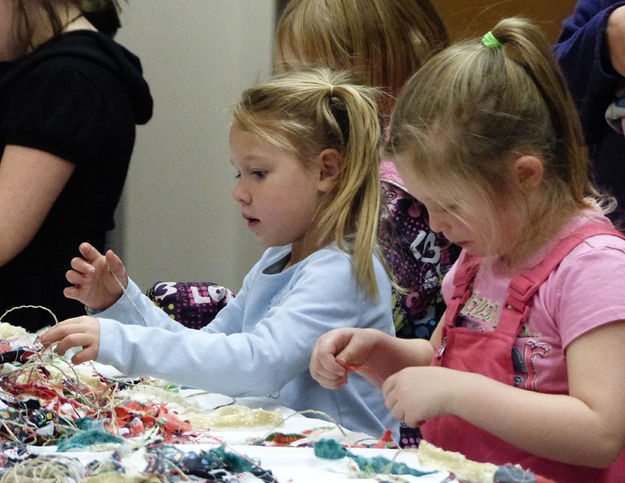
490, 41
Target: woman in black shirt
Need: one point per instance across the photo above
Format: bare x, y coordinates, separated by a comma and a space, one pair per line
70, 98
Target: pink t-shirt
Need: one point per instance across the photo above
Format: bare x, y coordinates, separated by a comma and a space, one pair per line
586, 291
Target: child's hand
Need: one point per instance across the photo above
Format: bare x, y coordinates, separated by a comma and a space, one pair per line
339, 348
96, 278
416, 394
80, 331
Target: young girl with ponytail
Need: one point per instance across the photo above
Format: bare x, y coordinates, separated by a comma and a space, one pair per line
526, 366
305, 150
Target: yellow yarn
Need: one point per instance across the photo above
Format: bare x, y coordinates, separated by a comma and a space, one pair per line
8, 330
237, 416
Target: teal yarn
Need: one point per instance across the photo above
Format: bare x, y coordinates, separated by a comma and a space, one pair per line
330, 449
90, 424
233, 461
87, 438
333, 450
382, 465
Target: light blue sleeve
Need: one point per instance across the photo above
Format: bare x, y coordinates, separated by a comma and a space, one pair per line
321, 295
135, 308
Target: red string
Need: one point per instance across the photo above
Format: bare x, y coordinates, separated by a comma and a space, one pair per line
368, 369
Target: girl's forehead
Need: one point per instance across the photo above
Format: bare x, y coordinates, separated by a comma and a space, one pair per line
430, 192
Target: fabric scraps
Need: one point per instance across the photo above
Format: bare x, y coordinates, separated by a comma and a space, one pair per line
193, 304
43, 397
165, 460
12, 352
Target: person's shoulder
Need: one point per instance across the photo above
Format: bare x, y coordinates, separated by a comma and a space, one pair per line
329, 263
89, 52
598, 253
606, 246
330, 254
88, 64
612, 239
83, 45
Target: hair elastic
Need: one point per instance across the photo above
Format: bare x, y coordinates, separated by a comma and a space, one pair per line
490, 41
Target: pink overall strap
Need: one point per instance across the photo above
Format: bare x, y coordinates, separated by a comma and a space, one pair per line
463, 279
524, 286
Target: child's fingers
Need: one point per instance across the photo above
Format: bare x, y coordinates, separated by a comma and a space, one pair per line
60, 330
76, 278
74, 339
330, 382
88, 251
388, 386
353, 353
116, 267
90, 353
323, 356
391, 400
72, 292
327, 373
81, 265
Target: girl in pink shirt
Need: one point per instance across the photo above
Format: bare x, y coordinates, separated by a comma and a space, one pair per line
526, 366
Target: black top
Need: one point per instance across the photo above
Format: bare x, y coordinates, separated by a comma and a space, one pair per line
79, 97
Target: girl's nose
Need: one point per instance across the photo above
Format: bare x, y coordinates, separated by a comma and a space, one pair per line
241, 195
437, 222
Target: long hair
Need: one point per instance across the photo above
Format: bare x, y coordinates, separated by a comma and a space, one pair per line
307, 112
472, 110
102, 13
383, 42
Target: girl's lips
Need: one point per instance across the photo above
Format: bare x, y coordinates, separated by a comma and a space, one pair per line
251, 222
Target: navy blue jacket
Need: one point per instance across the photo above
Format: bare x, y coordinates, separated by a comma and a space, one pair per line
582, 51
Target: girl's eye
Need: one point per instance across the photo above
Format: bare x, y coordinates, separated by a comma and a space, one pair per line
259, 174
237, 175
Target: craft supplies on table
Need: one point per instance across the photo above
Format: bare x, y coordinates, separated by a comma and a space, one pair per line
64, 422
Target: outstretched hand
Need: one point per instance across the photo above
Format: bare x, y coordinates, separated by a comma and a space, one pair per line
81, 331
98, 280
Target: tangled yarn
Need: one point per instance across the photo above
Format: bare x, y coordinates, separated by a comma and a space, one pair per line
332, 449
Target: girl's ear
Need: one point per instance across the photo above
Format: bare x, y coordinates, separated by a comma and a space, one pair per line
329, 169
529, 171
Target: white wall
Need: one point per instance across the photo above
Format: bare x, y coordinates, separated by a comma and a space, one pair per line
177, 220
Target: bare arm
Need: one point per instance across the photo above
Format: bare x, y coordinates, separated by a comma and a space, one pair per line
30, 182
586, 427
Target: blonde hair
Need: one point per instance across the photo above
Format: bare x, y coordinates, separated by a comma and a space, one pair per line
307, 112
383, 42
472, 110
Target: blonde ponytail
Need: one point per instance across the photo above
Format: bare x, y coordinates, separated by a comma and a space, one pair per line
307, 112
